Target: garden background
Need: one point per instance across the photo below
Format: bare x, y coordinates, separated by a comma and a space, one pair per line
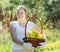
48, 11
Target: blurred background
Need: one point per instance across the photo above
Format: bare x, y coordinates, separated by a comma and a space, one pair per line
48, 11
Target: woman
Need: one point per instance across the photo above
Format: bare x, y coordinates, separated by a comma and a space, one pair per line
17, 30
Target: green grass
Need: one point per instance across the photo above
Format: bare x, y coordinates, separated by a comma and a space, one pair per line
5, 41
52, 44
57, 50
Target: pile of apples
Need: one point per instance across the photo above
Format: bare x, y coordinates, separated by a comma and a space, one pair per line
34, 34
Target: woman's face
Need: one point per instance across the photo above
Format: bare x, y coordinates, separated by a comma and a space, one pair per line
21, 14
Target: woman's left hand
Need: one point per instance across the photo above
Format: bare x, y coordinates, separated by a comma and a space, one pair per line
41, 45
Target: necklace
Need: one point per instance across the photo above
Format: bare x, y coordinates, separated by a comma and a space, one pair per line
22, 23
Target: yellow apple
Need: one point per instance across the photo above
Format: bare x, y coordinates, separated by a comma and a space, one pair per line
40, 36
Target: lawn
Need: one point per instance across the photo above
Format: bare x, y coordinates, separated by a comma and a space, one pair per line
52, 44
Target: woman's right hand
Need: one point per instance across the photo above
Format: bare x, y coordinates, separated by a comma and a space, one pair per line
27, 45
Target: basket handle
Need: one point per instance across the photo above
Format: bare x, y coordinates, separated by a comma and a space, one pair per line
34, 19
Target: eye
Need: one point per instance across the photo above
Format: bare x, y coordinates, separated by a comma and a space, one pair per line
18, 12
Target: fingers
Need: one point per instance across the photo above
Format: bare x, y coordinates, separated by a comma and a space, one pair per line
42, 45
27, 45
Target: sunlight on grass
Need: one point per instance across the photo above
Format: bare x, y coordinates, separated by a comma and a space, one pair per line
52, 44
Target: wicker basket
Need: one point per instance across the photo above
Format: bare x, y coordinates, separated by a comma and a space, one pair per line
34, 41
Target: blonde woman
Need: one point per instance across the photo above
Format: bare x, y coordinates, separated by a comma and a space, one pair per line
17, 30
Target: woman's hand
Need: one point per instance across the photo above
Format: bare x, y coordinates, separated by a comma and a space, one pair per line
27, 45
42, 45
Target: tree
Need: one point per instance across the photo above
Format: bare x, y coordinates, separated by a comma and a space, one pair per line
53, 9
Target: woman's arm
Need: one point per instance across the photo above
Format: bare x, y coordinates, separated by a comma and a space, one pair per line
36, 28
13, 35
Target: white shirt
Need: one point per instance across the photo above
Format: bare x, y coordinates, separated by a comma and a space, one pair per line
20, 32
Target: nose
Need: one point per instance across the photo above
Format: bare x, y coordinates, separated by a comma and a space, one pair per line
21, 12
